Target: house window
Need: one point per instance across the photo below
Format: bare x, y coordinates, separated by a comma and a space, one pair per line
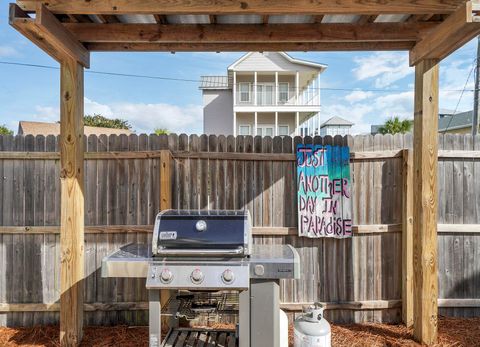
283, 130
265, 130
265, 94
283, 92
244, 92
244, 130
268, 131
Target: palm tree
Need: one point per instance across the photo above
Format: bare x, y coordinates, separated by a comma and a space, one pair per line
395, 126
161, 131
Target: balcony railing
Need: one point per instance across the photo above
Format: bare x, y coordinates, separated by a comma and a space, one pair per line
267, 96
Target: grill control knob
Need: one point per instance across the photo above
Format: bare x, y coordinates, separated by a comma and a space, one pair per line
228, 276
197, 276
201, 225
166, 276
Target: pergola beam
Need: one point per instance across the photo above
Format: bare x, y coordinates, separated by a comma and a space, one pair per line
249, 47
46, 31
248, 33
459, 28
245, 6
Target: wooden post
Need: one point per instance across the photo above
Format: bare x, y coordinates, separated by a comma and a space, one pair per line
166, 167
72, 203
425, 158
407, 239
166, 171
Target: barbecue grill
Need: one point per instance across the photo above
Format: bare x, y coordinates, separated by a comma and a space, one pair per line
208, 262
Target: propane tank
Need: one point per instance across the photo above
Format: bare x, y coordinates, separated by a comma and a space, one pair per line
311, 329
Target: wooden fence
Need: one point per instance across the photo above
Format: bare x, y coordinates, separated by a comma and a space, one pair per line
359, 279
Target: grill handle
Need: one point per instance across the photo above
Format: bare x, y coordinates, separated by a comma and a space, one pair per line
165, 251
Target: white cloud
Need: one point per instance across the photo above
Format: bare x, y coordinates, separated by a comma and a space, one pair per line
372, 109
92, 107
144, 118
385, 67
453, 79
7, 51
147, 117
356, 115
358, 95
46, 114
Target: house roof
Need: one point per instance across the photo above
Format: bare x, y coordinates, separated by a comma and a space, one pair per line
445, 111
44, 128
284, 55
456, 121
214, 82
336, 121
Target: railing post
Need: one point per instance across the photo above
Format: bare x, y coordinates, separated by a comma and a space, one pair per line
297, 88
255, 88
407, 238
276, 88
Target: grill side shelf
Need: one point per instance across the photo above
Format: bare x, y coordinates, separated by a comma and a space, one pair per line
129, 261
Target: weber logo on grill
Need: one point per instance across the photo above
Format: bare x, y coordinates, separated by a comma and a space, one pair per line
168, 235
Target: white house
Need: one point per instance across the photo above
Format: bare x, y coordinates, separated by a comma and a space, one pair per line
286, 101
335, 126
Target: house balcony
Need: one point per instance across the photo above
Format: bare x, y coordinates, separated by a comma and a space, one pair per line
282, 93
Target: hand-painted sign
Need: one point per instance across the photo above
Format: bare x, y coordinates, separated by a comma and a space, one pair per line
324, 191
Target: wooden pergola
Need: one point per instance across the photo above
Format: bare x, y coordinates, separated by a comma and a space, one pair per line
68, 30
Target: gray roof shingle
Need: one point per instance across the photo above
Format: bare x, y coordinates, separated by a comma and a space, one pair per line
336, 121
456, 121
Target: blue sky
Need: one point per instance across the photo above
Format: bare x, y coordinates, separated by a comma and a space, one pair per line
380, 83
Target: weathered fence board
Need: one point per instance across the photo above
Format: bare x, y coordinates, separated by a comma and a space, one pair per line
358, 278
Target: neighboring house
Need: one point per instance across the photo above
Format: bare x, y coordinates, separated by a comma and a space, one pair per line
460, 123
335, 126
263, 94
444, 116
44, 128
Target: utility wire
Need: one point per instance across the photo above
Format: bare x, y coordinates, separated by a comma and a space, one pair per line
461, 95
218, 84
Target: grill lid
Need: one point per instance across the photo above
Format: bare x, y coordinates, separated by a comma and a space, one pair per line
203, 233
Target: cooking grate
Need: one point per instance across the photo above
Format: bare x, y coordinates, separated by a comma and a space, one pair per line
192, 305
192, 337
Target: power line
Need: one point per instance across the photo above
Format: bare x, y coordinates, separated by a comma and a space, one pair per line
218, 84
460, 98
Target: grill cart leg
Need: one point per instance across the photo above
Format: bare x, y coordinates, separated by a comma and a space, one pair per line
244, 319
154, 318
265, 313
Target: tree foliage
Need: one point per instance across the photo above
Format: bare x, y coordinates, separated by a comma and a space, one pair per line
97, 120
161, 131
395, 126
5, 131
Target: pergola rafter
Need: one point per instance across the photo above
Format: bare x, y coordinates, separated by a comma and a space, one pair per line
245, 6
249, 33
69, 30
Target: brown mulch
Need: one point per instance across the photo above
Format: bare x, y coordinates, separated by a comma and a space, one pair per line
452, 332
